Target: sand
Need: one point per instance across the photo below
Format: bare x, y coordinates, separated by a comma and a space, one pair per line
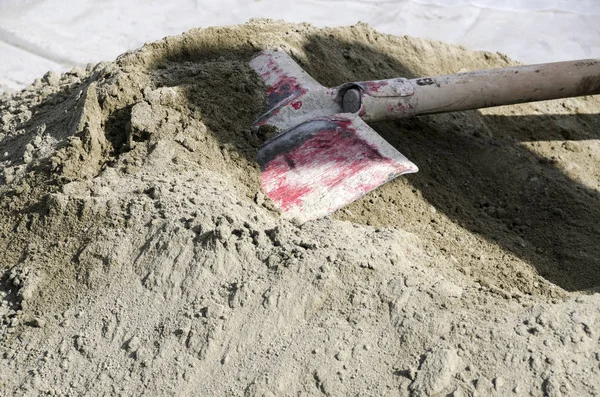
140, 258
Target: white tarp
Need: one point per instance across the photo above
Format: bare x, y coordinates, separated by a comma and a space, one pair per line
39, 35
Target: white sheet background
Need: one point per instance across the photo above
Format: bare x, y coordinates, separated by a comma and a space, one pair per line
41, 35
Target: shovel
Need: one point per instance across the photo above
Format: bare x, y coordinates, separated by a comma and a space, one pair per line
326, 156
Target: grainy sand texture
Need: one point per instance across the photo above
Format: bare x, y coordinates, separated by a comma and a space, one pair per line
139, 257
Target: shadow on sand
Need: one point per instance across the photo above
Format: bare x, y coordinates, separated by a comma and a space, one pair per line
480, 176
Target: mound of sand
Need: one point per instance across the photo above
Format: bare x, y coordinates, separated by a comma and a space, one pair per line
140, 258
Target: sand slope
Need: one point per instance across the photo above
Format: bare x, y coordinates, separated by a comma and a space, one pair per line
140, 258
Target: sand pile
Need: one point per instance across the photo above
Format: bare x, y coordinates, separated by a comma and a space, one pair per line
139, 257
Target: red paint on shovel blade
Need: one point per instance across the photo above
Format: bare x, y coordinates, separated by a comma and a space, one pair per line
330, 169
283, 88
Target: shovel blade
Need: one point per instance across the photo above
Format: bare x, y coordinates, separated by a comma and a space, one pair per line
324, 164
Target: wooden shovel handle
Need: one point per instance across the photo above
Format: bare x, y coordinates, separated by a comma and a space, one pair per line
507, 86
486, 88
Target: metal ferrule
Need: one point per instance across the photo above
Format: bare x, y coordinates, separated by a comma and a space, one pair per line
379, 99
